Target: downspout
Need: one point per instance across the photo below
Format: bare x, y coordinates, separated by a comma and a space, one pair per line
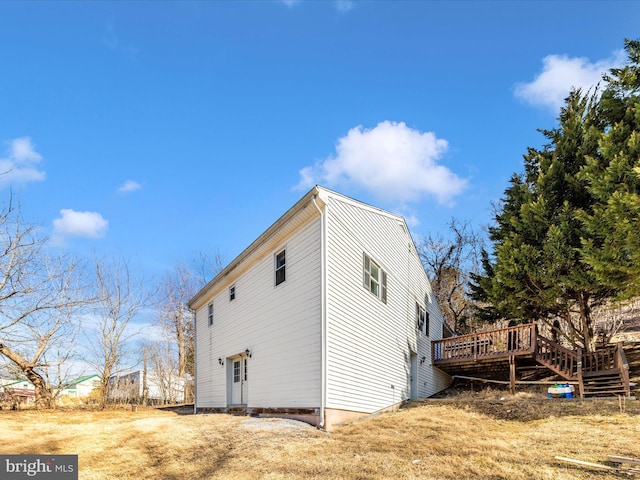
323, 310
195, 361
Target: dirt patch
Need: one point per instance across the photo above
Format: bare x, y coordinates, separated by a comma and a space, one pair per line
280, 425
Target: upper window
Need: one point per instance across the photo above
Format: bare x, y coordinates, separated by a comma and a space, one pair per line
281, 274
375, 279
210, 314
421, 318
232, 292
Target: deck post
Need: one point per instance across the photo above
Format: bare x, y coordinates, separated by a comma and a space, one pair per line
512, 375
534, 338
623, 365
579, 373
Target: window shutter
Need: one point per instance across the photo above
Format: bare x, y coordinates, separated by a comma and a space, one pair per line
426, 317
384, 286
367, 268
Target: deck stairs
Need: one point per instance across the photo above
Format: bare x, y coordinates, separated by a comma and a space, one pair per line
601, 373
605, 383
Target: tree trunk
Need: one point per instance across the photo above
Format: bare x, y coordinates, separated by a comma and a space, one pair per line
182, 357
585, 321
44, 396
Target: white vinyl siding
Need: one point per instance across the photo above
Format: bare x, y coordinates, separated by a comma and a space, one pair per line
280, 325
369, 343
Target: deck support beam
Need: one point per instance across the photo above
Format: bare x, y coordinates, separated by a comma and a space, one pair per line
512, 375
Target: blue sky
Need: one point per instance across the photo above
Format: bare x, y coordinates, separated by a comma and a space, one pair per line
158, 130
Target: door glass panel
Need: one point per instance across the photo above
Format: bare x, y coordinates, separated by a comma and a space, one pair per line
236, 371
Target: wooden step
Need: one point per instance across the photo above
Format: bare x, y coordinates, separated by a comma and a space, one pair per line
603, 383
602, 373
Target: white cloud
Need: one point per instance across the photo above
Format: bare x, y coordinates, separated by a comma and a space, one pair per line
345, 5
20, 164
342, 6
113, 42
561, 73
129, 186
79, 224
392, 161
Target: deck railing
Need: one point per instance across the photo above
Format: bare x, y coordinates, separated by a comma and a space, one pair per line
601, 359
503, 342
524, 340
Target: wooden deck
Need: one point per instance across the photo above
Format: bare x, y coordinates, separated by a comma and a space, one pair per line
501, 351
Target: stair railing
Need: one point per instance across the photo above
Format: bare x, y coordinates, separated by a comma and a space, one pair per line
558, 358
623, 365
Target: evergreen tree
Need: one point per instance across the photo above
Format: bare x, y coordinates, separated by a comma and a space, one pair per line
612, 237
538, 272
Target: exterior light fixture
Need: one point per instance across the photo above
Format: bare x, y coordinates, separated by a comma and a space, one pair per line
248, 352
422, 359
220, 361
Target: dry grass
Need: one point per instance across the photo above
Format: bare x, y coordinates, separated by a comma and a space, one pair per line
460, 438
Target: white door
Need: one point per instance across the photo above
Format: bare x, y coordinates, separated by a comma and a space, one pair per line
239, 381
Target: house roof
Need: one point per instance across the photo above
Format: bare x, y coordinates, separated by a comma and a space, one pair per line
84, 378
14, 382
318, 193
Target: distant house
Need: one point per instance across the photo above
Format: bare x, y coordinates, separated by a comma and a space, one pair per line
139, 386
17, 392
326, 317
81, 387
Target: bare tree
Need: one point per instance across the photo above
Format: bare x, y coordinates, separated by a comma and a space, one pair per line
39, 296
121, 298
209, 266
164, 373
177, 321
449, 261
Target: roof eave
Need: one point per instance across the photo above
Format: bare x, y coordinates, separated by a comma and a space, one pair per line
256, 244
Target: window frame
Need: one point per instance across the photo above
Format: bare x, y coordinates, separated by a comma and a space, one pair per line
376, 285
280, 269
421, 318
210, 314
232, 292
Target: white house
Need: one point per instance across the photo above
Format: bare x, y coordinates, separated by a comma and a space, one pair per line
326, 317
131, 387
81, 387
17, 392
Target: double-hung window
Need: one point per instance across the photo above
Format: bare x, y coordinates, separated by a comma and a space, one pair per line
232, 293
280, 265
375, 279
421, 318
210, 314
